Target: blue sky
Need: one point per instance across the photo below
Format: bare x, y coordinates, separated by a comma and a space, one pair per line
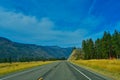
58, 22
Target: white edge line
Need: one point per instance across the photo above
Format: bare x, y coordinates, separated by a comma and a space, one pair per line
98, 74
81, 72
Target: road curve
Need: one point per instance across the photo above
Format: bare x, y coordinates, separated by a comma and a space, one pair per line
55, 71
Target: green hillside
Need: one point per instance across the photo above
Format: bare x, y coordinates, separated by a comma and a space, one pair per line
13, 51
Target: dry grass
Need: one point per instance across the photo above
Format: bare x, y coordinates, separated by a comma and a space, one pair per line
8, 68
109, 68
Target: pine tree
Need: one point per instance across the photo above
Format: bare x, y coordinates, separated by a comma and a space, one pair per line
98, 49
116, 43
84, 48
106, 45
91, 48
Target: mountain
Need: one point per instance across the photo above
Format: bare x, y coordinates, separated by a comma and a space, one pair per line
16, 51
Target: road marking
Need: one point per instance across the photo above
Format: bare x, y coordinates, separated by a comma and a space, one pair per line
23, 72
80, 72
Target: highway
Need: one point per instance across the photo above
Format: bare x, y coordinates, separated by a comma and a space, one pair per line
55, 71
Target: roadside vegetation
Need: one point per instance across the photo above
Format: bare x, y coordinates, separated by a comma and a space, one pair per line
101, 55
110, 68
6, 68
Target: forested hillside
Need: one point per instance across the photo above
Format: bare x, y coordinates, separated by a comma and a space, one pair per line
12, 51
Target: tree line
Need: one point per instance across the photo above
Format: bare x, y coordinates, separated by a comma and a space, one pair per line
28, 59
107, 47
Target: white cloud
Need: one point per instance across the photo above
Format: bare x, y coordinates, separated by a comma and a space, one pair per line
37, 30
18, 21
31, 30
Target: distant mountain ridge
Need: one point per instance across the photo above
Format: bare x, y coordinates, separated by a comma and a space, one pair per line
16, 50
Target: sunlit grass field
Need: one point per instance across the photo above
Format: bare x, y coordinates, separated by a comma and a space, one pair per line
12, 67
109, 68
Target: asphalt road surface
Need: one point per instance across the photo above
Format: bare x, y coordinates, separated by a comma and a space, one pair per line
55, 71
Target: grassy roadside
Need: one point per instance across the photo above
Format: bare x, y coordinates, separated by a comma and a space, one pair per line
110, 68
6, 68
